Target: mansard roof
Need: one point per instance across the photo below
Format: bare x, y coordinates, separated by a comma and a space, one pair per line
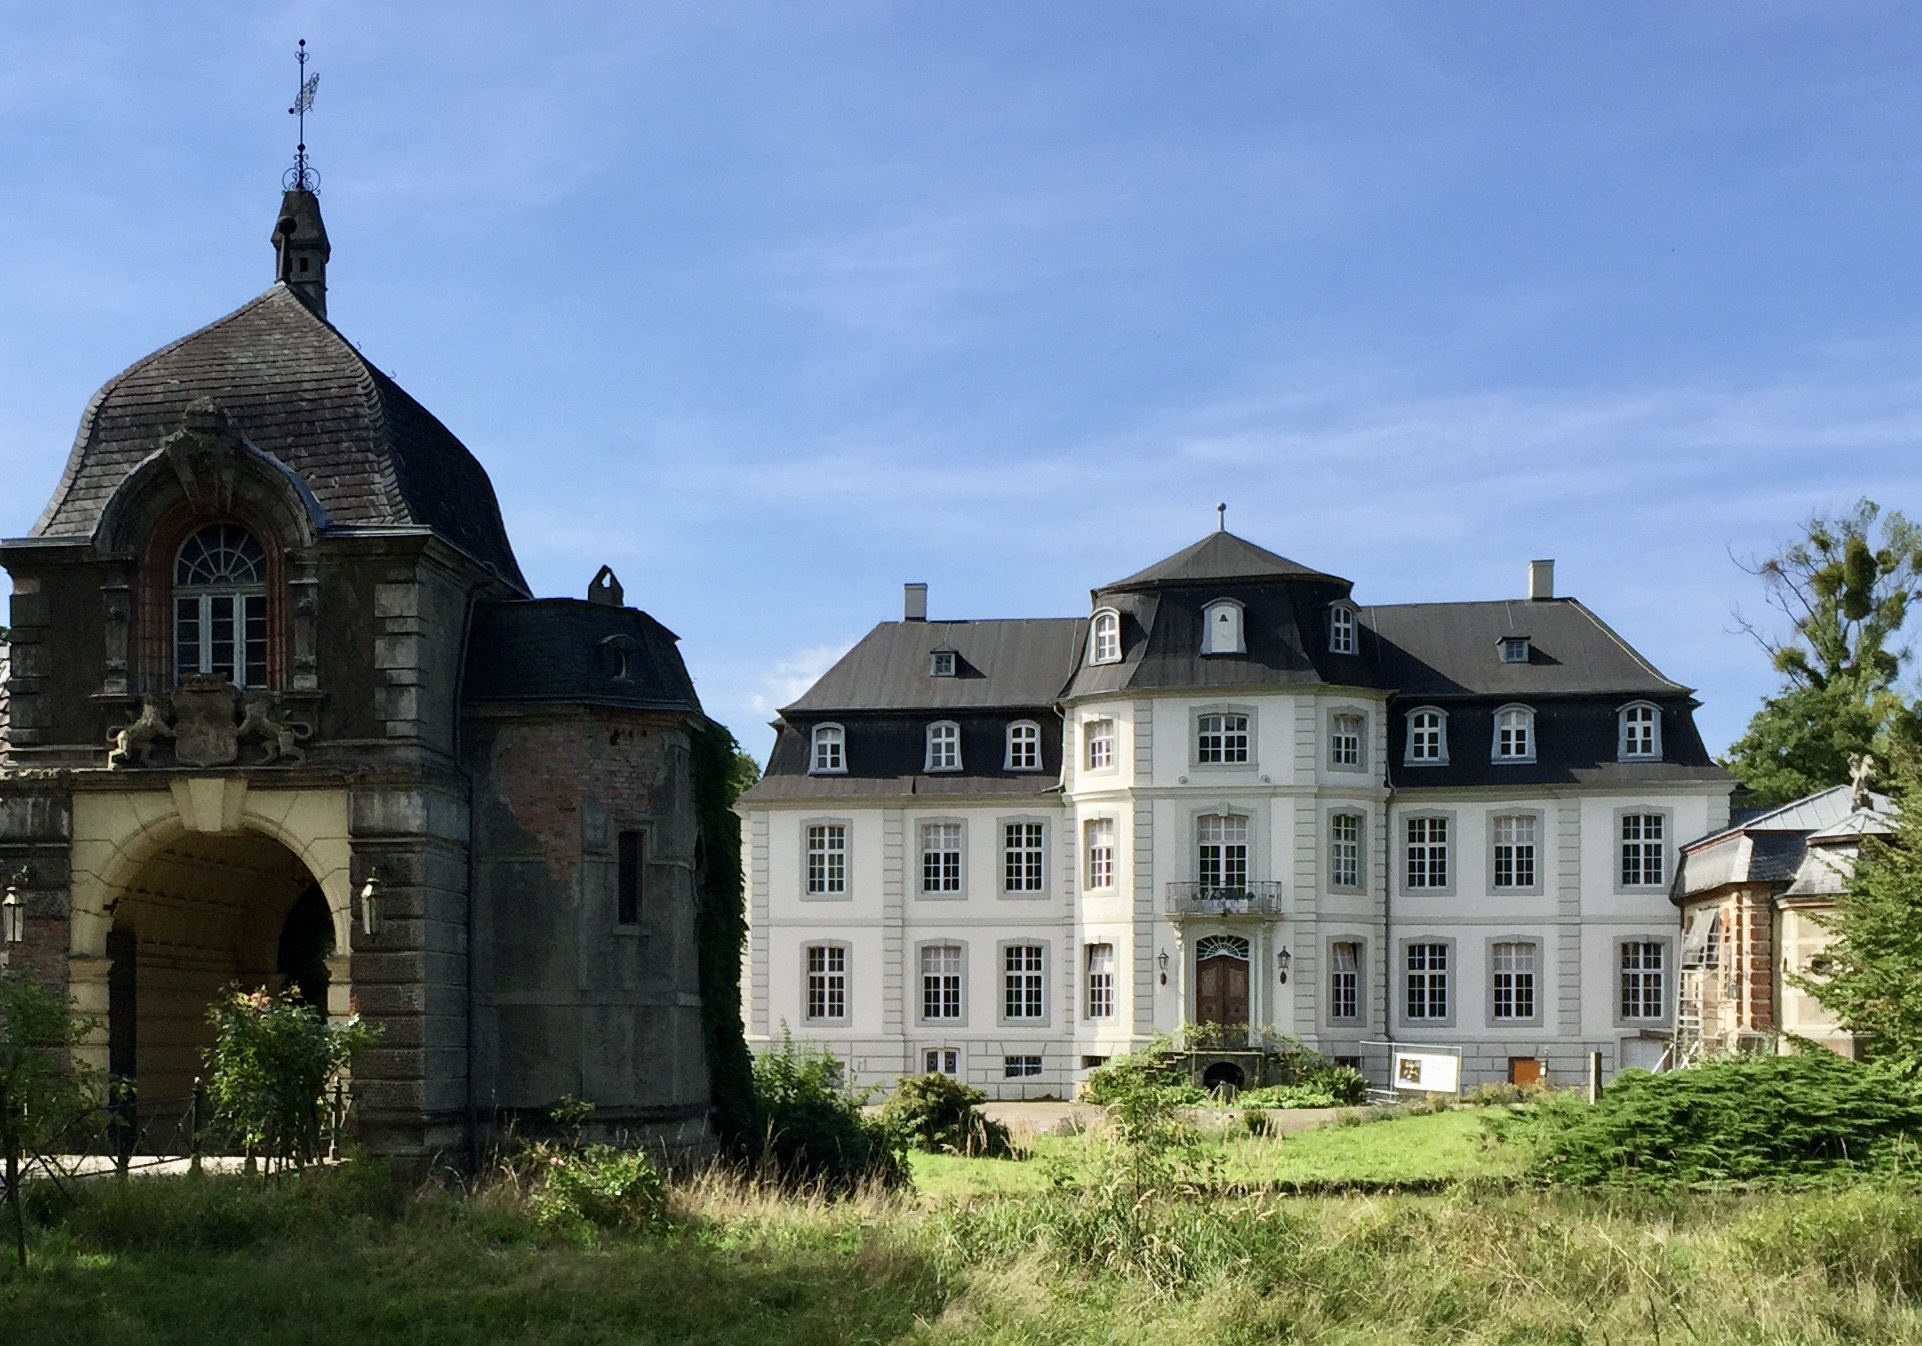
1218, 558
298, 390
1021, 662
1442, 650
568, 651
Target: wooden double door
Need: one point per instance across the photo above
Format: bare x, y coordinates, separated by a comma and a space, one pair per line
1221, 989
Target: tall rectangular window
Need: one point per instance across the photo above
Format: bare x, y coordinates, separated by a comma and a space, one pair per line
1341, 629
1644, 991
1426, 852
1427, 984
941, 981
1222, 851
1021, 991
1021, 857
940, 857
944, 747
1098, 841
1515, 735
827, 981
1101, 981
1344, 741
830, 742
1515, 850
1426, 741
1221, 738
631, 857
1344, 850
827, 858
1513, 994
1098, 735
1024, 746
1643, 857
1641, 732
1344, 980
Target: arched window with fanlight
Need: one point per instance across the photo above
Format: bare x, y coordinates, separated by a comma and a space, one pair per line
220, 605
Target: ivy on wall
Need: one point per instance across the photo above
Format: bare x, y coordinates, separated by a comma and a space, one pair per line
721, 771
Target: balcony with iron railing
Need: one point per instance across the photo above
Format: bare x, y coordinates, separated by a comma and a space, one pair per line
1261, 898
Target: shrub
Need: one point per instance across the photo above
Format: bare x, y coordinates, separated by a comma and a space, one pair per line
939, 1114
271, 1065
1330, 1087
597, 1188
815, 1134
1122, 1077
1769, 1118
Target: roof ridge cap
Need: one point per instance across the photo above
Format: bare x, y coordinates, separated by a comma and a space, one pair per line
83, 436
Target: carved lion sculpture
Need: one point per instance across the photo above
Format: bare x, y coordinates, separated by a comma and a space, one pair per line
137, 740
279, 739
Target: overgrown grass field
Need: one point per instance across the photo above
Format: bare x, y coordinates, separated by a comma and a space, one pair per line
1054, 1248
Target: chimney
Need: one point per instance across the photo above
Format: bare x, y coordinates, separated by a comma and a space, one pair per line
1541, 579
914, 602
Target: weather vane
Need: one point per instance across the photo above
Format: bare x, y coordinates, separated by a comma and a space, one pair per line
300, 177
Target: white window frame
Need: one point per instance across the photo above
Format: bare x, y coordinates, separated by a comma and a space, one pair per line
1032, 848
1348, 739
1098, 844
1104, 637
1348, 850
831, 741
1664, 973
1524, 866
1417, 737
1229, 867
1219, 636
1644, 847
832, 979
831, 878
1021, 1066
948, 982
1100, 962
1023, 734
1638, 733
941, 1061
944, 747
1514, 649
1024, 987
1514, 982
1347, 982
211, 592
1436, 970
1513, 719
1228, 739
1098, 733
943, 663
1341, 628
951, 881
1422, 848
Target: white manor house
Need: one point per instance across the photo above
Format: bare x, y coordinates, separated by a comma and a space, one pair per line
1007, 850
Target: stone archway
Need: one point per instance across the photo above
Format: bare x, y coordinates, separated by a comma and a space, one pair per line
206, 911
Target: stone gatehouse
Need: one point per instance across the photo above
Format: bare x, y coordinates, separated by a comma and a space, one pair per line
283, 712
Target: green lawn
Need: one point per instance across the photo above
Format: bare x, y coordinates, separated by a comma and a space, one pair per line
1421, 1150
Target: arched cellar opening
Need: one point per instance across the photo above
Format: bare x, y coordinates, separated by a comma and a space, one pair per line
207, 912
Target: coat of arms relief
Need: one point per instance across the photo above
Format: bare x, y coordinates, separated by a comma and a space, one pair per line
209, 721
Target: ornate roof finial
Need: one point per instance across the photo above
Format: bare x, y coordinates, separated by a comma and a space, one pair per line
301, 178
1861, 773
1221, 517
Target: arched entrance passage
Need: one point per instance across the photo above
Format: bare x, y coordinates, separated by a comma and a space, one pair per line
205, 911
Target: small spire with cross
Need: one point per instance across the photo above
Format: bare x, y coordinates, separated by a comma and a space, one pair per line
301, 177
1221, 517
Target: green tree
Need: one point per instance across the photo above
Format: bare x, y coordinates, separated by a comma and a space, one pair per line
44, 1091
1873, 984
271, 1065
1846, 587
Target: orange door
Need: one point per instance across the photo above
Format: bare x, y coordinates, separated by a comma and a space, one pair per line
1524, 1070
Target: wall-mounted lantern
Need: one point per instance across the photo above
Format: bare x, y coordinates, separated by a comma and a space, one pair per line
370, 905
13, 912
1283, 961
1162, 962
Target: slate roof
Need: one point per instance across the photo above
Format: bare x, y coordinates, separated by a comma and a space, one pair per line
1219, 556
299, 391
1023, 662
1442, 650
1778, 846
565, 651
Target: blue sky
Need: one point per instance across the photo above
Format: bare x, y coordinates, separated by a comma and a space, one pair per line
774, 306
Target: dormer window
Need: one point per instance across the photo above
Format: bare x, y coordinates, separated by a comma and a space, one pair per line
941, 664
1515, 649
1024, 746
1341, 629
1640, 739
829, 756
1427, 737
944, 746
1514, 734
220, 606
1221, 628
1104, 637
